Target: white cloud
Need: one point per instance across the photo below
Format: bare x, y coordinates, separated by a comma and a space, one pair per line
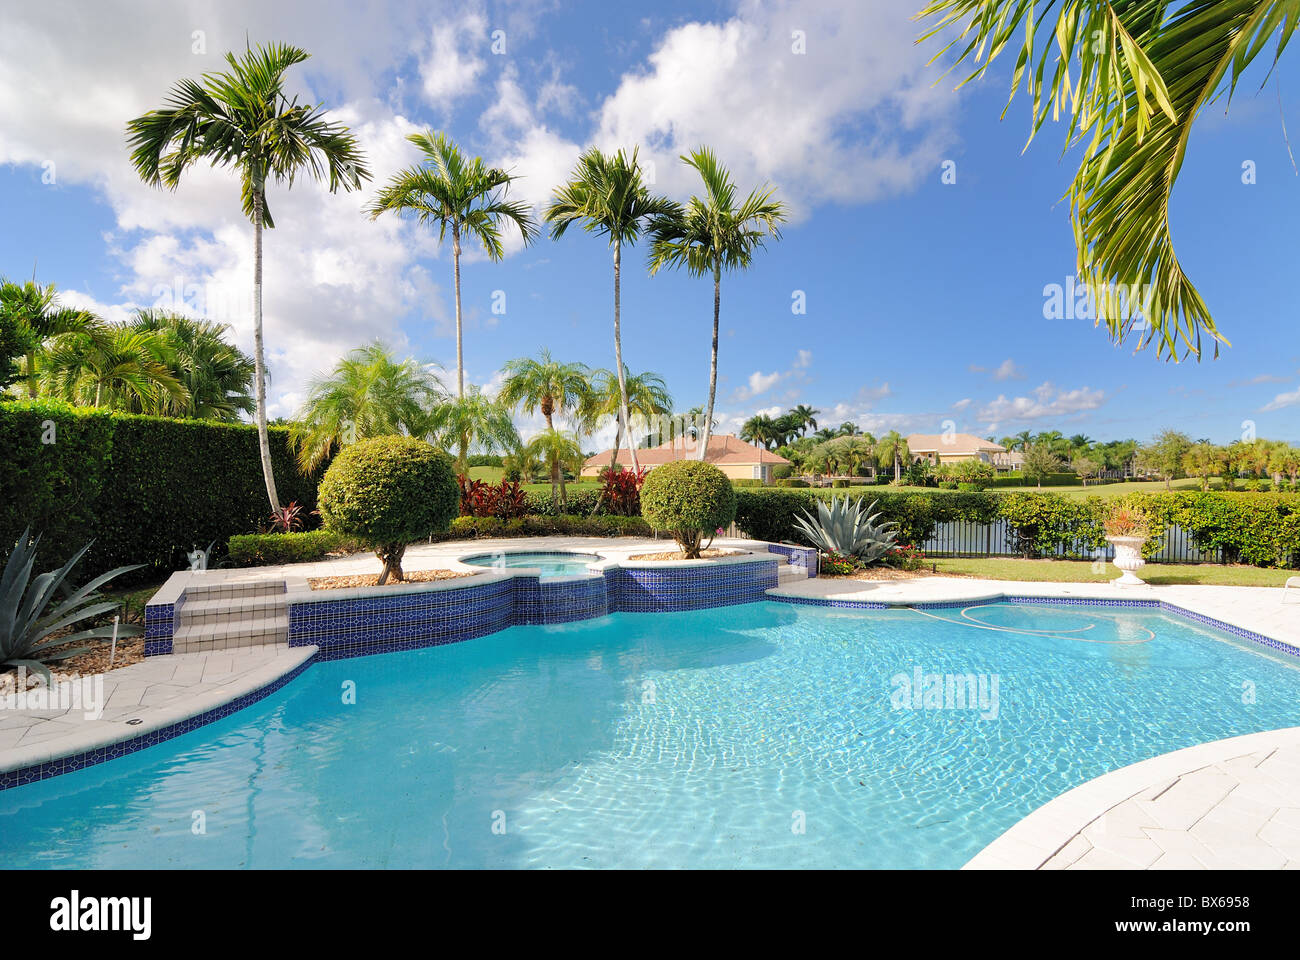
1008, 370
804, 359
1046, 401
962, 404
453, 62
1282, 400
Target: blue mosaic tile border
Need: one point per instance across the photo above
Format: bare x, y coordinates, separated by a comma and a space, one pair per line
351, 628
60, 765
159, 628
1162, 606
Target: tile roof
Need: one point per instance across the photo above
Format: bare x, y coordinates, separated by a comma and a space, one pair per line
724, 448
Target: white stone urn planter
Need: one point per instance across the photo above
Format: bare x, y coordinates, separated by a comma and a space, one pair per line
1128, 558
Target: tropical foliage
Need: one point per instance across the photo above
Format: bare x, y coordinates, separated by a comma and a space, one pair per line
608, 196
242, 119
691, 500
1134, 78
473, 418
449, 191
369, 393
711, 234
845, 527
34, 611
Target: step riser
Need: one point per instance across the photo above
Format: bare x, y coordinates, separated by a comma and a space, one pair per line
226, 616
234, 591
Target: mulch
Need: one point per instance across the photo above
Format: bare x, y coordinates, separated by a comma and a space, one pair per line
372, 579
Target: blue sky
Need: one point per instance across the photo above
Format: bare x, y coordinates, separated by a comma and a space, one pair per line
924, 299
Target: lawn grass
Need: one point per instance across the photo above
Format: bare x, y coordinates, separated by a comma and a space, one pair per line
1092, 490
486, 474
1081, 571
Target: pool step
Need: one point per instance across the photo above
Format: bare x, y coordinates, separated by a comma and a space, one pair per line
224, 616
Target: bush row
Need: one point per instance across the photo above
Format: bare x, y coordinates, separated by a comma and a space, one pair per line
541, 525
1261, 529
259, 549
145, 489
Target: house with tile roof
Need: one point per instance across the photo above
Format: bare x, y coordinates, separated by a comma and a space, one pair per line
734, 457
940, 448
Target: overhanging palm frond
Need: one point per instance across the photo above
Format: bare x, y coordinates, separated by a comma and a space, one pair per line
1134, 77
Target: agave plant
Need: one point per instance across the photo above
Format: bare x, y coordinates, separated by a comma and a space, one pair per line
844, 527
29, 613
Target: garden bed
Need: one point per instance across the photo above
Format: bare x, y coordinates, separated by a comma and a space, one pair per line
372, 579
677, 555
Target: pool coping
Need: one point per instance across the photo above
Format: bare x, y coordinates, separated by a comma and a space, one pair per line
1034, 840
94, 741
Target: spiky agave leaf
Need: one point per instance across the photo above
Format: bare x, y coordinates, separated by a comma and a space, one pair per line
844, 526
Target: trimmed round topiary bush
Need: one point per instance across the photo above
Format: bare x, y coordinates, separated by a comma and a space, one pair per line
388, 492
691, 500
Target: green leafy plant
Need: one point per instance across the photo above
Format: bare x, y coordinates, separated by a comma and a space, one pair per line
388, 492
30, 617
843, 526
262, 549
691, 500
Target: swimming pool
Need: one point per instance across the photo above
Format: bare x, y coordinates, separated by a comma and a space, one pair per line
555, 564
761, 735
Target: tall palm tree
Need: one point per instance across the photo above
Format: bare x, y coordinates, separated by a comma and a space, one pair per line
1135, 76
806, 417
761, 428
712, 234
473, 418
550, 386
369, 393
216, 374
892, 448
34, 309
643, 394
608, 196
560, 451
447, 189
111, 366
241, 118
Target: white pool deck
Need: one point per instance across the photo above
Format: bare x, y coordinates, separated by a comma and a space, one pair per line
1230, 803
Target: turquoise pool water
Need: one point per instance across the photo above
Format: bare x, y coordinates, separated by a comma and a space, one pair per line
550, 564
703, 739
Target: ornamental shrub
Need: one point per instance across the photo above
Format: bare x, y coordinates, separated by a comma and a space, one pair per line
262, 549
388, 492
690, 499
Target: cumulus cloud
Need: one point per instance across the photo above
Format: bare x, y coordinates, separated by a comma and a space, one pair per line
1282, 400
1046, 401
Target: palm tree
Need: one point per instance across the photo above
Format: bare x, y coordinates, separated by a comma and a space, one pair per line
643, 394
1136, 77
848, 429
761, 428
546, 385
560, 451
892, 447
446, 189
805, 416
827, 433
608, 196
369, 393
473, 418
242, 119
35, 310
216, 374
711, 234
111, 366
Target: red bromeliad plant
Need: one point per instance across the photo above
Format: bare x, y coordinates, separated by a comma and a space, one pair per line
621, 492
287, 519
505, 501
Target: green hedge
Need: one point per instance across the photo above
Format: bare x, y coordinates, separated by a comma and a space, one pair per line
1262, 529
542, 525
259, 549
146, 489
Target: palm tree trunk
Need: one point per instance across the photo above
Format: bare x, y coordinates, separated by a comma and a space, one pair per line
259, 364
557, 479
713, 359
460, 356
618, 359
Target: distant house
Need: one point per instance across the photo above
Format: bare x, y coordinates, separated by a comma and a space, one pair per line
734, 457
937, 448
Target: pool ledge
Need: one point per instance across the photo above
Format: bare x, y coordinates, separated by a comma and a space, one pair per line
1251, 613
1226, 804
143, 704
